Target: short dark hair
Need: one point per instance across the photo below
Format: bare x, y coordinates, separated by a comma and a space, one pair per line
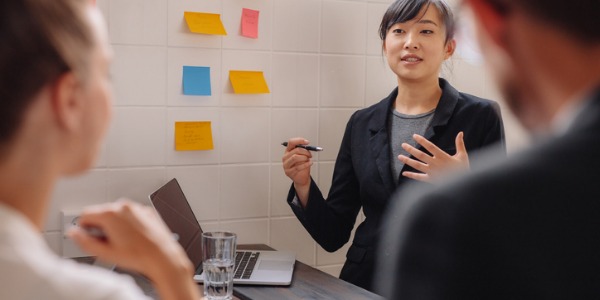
405, 10
41, 40
578, 17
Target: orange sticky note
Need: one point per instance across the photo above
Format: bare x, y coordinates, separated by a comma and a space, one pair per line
205, 23
248, 82
191, 136
250, 23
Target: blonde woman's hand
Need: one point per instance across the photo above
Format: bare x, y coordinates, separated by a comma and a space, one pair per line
136, 238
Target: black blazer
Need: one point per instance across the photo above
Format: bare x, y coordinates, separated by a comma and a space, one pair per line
523, 228
362, 176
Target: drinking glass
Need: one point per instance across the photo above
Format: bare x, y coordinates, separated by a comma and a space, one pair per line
218, 256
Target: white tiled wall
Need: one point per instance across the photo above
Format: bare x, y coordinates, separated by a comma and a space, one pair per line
322, 61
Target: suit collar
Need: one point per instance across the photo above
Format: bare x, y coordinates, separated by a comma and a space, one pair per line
589, 112
379, 124
443, 111
379, 140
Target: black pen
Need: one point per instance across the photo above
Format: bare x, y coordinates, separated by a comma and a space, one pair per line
95, 232
307, 147
99, 234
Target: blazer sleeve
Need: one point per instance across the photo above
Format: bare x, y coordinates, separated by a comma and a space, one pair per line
495, 129
330, 222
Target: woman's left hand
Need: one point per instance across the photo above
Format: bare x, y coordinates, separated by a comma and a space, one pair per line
436, 164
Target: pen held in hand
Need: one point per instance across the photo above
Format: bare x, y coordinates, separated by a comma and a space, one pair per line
307, 147
97, 233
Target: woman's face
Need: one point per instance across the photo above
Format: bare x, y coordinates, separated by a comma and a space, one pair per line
416, 49
96, 94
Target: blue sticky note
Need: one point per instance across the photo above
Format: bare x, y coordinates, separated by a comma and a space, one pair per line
196, 81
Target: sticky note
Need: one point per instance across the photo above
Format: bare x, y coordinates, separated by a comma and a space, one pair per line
248, 82
196, 81
250, 23
191, 136
205, 23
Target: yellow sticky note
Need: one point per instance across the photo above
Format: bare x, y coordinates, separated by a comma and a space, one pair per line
190, 136
205, 23
248, 82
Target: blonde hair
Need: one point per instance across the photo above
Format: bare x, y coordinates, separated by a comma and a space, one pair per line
41, 40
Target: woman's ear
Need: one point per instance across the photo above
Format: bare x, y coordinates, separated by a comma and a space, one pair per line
450, 48
67, 101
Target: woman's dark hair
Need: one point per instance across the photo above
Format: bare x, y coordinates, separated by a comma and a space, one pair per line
405, 10
40, 40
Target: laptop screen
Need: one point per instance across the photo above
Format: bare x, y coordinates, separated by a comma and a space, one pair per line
171, 204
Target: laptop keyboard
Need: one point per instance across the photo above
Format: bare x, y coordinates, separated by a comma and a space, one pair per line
244, 264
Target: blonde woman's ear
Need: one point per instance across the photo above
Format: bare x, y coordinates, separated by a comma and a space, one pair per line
66, 101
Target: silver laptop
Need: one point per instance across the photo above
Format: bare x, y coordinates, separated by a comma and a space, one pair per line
252, 267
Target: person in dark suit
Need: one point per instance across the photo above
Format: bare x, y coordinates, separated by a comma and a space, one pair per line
526, 227
379, 150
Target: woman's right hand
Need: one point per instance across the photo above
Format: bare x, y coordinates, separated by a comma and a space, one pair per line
137, 239
296, 165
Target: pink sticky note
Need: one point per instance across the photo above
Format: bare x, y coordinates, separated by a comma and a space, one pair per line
250, 23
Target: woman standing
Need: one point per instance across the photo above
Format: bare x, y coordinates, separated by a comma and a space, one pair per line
423, 128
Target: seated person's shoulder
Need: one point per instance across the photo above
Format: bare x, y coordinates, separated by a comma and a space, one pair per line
50, 277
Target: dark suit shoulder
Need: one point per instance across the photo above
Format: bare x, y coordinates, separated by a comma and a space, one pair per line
518, 228
529, 215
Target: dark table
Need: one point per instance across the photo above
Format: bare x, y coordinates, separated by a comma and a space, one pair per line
307, 283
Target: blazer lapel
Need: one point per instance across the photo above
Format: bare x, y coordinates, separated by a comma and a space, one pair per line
379, 141
444, 109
